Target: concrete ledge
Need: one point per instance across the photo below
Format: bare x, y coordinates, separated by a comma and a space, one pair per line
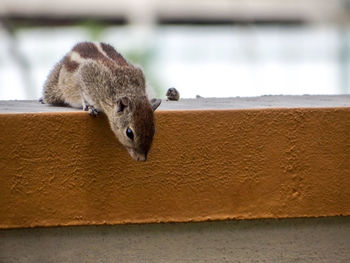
263, 102
287, 240
66, 168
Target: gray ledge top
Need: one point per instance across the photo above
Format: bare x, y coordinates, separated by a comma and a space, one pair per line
305, 101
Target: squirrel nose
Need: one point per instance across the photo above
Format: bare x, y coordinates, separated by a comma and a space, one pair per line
142, 158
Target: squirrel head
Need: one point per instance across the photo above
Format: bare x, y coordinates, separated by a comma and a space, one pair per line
133, 124
130, 115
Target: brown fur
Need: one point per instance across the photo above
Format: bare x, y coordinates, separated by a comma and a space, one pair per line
113, 54
51, 93
69, 64
142, 117
97, 77
87, 50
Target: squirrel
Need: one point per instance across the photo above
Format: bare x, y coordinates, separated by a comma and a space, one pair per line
95, 77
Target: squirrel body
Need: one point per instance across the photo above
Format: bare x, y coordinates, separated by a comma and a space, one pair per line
95, 77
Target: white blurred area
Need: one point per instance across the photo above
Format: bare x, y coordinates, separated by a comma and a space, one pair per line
226, 60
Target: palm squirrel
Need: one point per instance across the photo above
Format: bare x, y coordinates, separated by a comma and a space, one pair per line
95, 77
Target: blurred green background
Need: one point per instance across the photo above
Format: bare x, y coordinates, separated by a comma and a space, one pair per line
223, 48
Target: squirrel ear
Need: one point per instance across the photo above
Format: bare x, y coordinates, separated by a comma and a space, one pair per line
155, 103
122, 103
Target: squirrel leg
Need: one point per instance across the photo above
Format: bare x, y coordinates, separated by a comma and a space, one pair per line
92, 111
90, 108
86, 105
52, 94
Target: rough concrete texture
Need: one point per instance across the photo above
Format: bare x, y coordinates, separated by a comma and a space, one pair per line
306, 101
67, 168
289, 240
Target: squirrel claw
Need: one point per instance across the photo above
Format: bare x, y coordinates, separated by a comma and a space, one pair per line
92, 111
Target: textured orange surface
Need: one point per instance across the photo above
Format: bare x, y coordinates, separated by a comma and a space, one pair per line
68, 168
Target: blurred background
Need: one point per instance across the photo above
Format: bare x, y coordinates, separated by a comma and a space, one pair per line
222, 48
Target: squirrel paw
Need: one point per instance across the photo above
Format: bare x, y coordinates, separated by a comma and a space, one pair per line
92, 111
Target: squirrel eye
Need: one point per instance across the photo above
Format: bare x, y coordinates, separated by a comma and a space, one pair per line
129, 133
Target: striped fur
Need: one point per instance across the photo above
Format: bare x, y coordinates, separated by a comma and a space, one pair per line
101, 52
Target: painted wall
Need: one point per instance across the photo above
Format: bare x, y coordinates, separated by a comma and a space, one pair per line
68, 169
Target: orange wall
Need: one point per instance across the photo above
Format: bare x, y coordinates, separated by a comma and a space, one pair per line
68, 169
